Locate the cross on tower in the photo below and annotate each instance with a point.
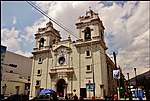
(89, 7)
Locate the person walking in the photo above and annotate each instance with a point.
(69, 97)
(66, 97)
(75, 97)
(115, 97)
(81, 98)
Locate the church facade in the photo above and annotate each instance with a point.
(72, 67)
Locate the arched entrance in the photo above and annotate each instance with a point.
(60, 87)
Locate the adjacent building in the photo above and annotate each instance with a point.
(79, 67)
(15, 80)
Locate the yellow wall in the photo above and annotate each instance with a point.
(11, 87)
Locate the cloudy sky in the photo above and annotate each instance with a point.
(127, 26)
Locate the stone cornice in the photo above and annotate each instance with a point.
(88, 43)
(40, 51)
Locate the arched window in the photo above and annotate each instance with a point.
(87, 33)
(54, 41)
(11, 71)
(41, 45)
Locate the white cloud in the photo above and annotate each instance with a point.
(14, 20)
(47, 5)
(136, 55)
(128, 24)
(26, 54)
(114, 23)
(66, 13)
(10, 38)
(31, 30)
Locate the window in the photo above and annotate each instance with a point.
(39, 72)
(17, 89)
(87, 33)
(87, 53)
(38, 82)
(11, 71)
(88, 69)
(41, 43)
(28, 78)
(61, 60)
(40, 60)
(54, 41)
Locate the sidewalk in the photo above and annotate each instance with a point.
(133, 98)
(92, 99)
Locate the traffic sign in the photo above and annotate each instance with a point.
(90, 86)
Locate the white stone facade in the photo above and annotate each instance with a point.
(71, 67)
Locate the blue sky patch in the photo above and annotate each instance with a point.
(110, 3)
(22, 11)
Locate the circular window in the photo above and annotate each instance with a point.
(61, 60)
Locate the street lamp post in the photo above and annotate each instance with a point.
(93, 71)
(136, 81)
(130, 94)
(118, 84)
(89, 87)
(128, 82)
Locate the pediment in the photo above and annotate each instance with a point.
(61, 47)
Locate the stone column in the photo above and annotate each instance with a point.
(65, 89)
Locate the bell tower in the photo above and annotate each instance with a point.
(46, 37)
(91, 50)
(90, 27)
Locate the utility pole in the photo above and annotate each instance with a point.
(118, 86)
(136, 81)
(130, 93)
(128, 82)
(114, 54)
(93, 70)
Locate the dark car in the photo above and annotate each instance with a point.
(17, 97)
(2, 97)
(46, 97)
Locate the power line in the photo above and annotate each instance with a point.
(55, 21)
(25, 77)
(52, 19)
(59, 24)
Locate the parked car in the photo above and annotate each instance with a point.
(46, 97)
(17, 97)
(2, 97)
